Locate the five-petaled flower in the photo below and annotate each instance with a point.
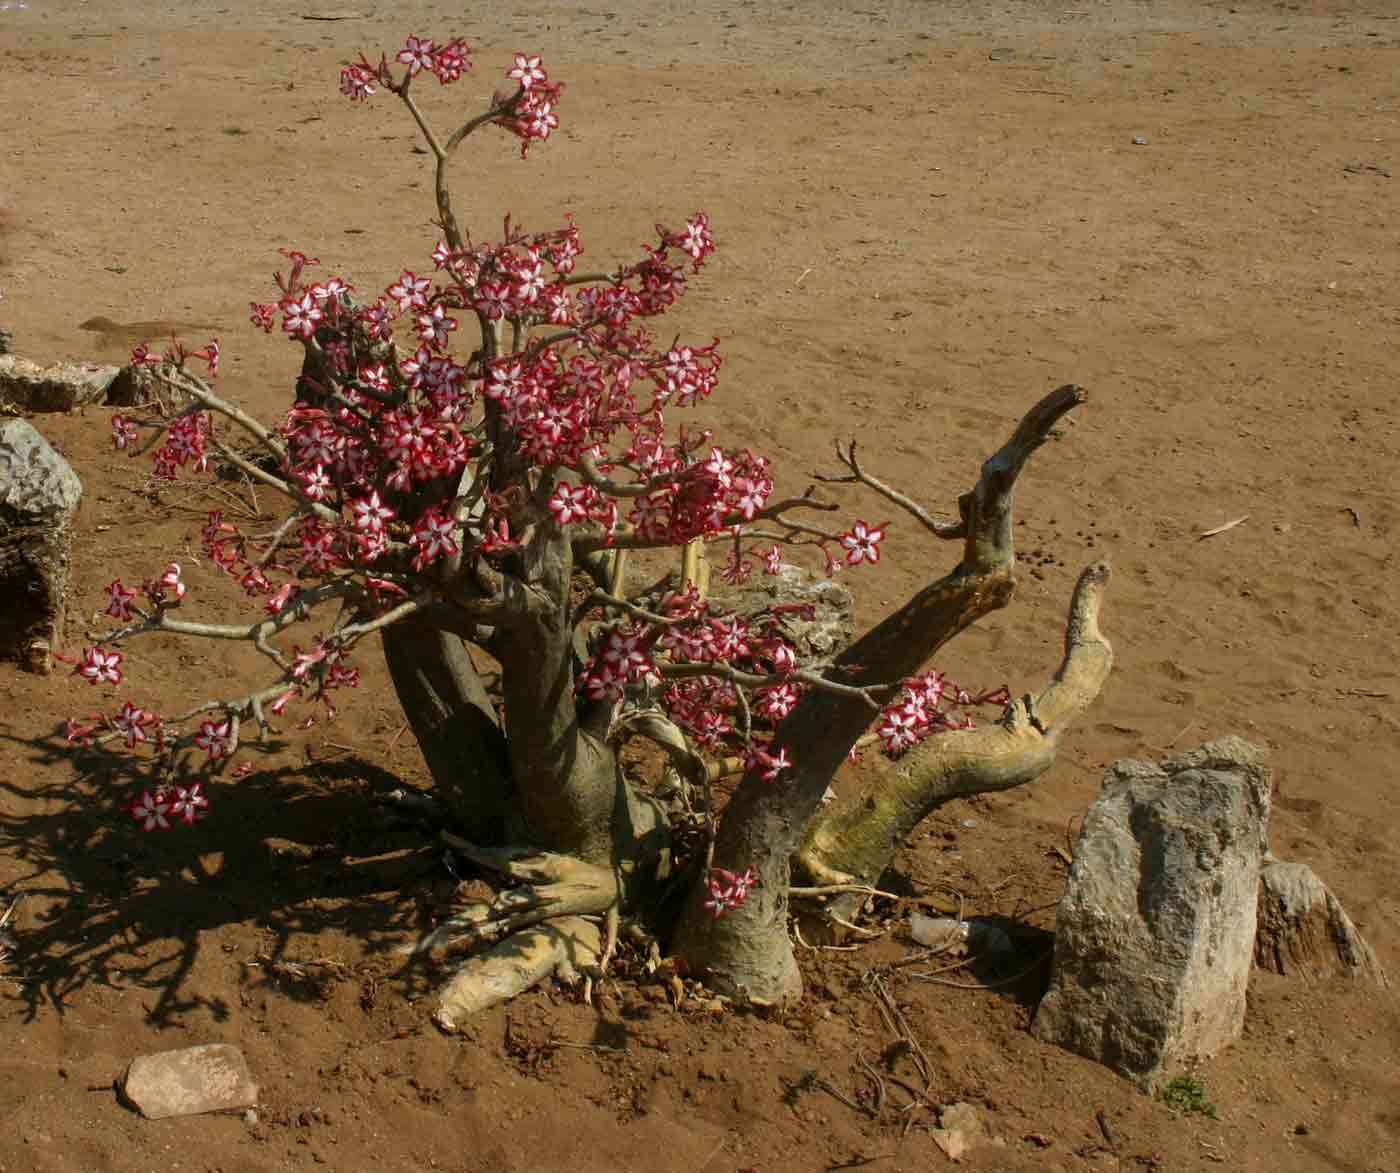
(132, 723)
(570, 503)
(526, 71)
(100, 667)
(119, 600)
(862, 543)
(188, 803)
(416, 54)
(216, 738)
(370, 513)
(150, 811)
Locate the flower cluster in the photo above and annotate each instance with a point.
(422, 455)
(161, 808)
(928, 704)
(725, 890)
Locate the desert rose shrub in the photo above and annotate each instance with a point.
(473, 458)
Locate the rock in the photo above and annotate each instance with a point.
(960, 1130)
(39, 495)
(29, 387)
(211, 1078)
(1156, 927)
(828, 631)
(6, 340)
(1304, 931)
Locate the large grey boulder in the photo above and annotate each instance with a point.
(1156, 928)
(39, 494)
(1304, 931)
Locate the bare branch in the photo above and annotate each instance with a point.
(939, 529)
(853, 839)
(198, 389)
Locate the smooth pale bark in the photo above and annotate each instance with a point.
(853, 839)
(747, 952)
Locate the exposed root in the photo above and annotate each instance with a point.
(550, 886)
(566, 948)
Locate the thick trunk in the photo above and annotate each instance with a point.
(853, 840)
(748, 950)
(455, 723)
(566, 781)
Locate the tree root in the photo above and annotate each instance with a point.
(549, 886)
(567, 948)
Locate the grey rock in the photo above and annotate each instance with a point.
(39, 494)
(28, 386)
(210, 1078)
(1304, 931)
(1157, 925)
(6, 340)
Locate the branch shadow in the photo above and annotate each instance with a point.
(294, 850)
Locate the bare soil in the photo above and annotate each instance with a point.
(929, 215)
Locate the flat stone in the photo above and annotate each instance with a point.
(30, 387)
(960, 1130)
(210, 1078)
(1155, 937)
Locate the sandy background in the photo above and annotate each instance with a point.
(929, 214)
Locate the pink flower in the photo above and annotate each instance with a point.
(526, 71)
(569, 504)
(409, 291)
(100, 667)
(167, 590)
(301, 316)
(451, 61)
(417, 55)
(434, 326)
(132, 723)
(433, 537)
(370, 513)
(215, 738)
(862, 543)
(189, 803)
(119, 600)
(356, 83)
(766, 765)
(279, 599)
(727, 890)
(123, 432)
(150, 812)
(262, 316)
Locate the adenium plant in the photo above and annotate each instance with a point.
(472, 455)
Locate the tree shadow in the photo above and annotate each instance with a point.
(294, 850)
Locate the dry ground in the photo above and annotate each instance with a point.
(929, 214)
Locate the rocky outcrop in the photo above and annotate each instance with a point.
(1156, 929)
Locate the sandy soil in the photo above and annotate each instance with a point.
(929, 215)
